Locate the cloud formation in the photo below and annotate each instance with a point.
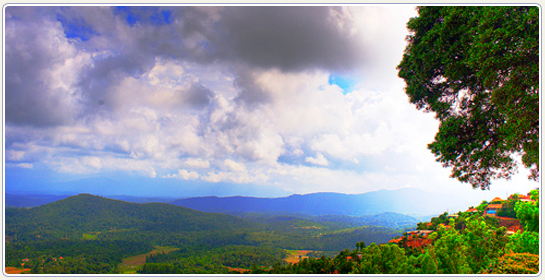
(215, 94)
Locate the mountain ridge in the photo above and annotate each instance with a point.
(86, 213)
(407, 201)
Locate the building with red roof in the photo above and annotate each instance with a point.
(492, 209)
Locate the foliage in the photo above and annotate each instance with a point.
(525, 242)
(470, 250)
(528, 213)
(87, 215)
(383, 259)
(469, 244)
(450, 252)
(72, 256)
(159, 268)
(508, 209)
(516, 263)
(477, 69)
(193, 259)
(482, 206)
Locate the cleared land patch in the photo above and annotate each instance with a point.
(294, 256)
(14, 270)
(131, 264)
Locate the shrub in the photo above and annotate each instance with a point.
(516, 263)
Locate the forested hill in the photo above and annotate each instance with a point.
(406, 201)
(84, 213)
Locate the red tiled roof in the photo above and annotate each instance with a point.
(494, 206)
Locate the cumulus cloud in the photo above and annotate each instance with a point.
(184, 174)
(237, 95)
(197, 163)
(318, 160)
(291, 38)
(40, 63)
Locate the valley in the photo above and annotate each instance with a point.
(91, 234)
(117, 236)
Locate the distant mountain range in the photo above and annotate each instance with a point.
(409, 201)
(15, 200)
(412, 202)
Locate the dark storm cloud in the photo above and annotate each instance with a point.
(127, 41)
(249, 91)
(29, 97)
(198, 95)
(96, 81)
(288, 38)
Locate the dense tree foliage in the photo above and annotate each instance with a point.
(528, 212)
(508, 208)
(85, 229)
(212, 260)
(516, 263)
(477, 247)
(477, 69)
(72, 256)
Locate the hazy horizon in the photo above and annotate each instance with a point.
(211, 100)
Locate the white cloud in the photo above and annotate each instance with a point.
(184, 174)
(93, 162)
(234, 166)
(318, 160)
(15, 155)
(25, 165)
(148, 107)
(197, 163)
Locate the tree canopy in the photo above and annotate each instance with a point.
(477, 69)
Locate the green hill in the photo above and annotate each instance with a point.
(91, 216)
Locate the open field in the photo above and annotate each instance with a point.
(241, 270)
(14, 270)
(293, 255)
(131, 264)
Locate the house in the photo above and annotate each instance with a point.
(521, 197)
(492, 209)
(419, 233)
(472, 210)
(497, 199)
(525, 198)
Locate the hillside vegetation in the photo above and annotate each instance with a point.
(465, 243)
(93, 234)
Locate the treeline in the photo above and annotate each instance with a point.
(476, 248)
(194, 260)
(72, 256)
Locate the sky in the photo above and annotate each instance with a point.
(261, 101)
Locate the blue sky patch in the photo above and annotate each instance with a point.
(76, 28)
(345, 83)
(145, 15)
